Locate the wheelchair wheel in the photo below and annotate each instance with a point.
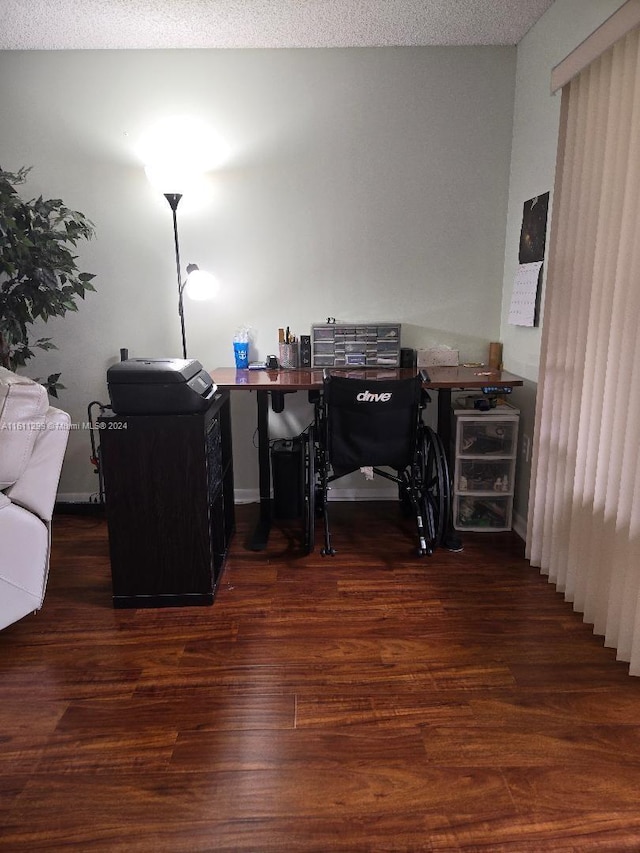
(436, 492)
(309, 491)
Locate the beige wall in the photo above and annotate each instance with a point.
(362, 183)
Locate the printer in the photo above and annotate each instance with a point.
(159, 386)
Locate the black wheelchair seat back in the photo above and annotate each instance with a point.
(371, 422)
(376, 423)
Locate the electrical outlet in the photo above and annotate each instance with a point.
(526, 448)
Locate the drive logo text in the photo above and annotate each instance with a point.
(370, 397)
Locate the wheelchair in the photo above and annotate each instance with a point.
(375, 424)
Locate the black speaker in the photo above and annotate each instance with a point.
(305, 350)
(408, 357)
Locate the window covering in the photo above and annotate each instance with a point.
(584, 507)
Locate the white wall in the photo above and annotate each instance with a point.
(533, 158)
(364, 184)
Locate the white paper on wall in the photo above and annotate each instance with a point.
(522, 311)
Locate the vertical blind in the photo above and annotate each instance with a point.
(584, 506)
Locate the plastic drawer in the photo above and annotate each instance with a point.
(487, 438)
(474, 512)
(388, 333)
(326, 334)
(484, 475)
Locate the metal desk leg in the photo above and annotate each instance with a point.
(444, 420)
(452, 539)
(261, 533)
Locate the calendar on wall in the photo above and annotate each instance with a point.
(523, 310)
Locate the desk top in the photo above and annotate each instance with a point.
(303, 379)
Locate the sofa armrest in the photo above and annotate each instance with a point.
(37, 487)
(24, 561)
(23, 407)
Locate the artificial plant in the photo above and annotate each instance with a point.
(39, 277)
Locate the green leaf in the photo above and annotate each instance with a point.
(45, 344)
(39, 276)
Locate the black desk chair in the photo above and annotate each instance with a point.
(376, 423)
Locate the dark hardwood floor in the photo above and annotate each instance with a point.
(375, 701)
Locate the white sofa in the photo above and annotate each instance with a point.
(33, 440)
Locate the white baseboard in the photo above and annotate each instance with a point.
(389, 493)
(250, 496)
(246, 496)
(76, 497)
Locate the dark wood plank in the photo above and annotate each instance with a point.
(375, 701)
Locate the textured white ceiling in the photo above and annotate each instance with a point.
(81, 24)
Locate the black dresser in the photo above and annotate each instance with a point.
(169, 499)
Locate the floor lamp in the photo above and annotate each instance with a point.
(174, 201)
(177, 152)
(202, 285)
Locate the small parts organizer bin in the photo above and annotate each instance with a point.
(485, 467)
(355, 345)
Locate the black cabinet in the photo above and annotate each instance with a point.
(169, 499)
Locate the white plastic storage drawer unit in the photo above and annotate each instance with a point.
(485, 467)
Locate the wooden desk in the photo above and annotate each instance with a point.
(277, 382)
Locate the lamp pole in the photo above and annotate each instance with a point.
(174, 201)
